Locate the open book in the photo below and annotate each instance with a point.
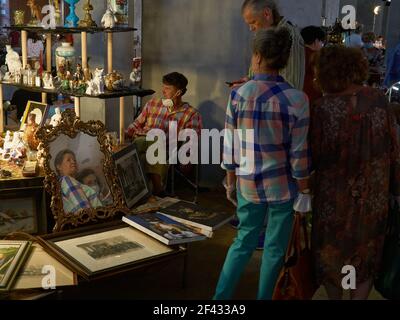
(163, 228)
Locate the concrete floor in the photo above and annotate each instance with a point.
(205, 260)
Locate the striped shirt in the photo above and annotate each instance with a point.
(77, 196)
(294, 72)
(156, 116)
(279, 116)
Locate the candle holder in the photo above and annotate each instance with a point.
(88, 21)
(72, 19)
(19, 17)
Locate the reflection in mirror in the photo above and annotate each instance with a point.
(80, 173)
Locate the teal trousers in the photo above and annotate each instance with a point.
(251, 217)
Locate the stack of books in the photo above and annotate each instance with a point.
(179, 222)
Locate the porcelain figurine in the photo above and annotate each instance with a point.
(56, 119)
(7, 145)
(48, 81)
(30, 131)
(78, 75)
(114, 81)
(109, 19)
(18, 142)
(36, 16)
(13, 60)
(96, 86)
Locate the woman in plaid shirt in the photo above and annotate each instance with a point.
(280, 162)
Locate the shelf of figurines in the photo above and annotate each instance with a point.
(19, 157)
(66, 30)
(123, 92)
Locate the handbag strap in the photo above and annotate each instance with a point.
(305, 233)
(295, 245)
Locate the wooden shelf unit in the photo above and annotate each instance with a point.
(83, 31)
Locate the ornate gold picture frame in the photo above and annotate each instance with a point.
(80, 172)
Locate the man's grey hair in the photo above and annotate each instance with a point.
(259, 6)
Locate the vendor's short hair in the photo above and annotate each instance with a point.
(312, 33)
(338, 67)
(177, 80)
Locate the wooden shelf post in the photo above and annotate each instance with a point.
(109, 52)
(121, 120)
(24, 47)
(48, 62)
(48, 52)
(84, 50)
(77, 104)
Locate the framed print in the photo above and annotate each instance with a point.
(51, 112)
(22, 211)
(12, 256)
(37, 108)
(131, 175)
(99, 251)
(80, 175)
(33, 271)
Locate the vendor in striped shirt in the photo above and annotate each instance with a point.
(160, 114)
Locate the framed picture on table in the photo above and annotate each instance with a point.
(37, 108)
(103, 250)
(12, 257)
(131, 175)
(22, 211)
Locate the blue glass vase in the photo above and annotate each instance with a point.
(72, 20)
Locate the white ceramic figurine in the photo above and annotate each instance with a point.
(109, 19)
(13, 61)
(96, 86)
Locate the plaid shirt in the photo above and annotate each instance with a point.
(279, 116)
(156, 116)
(77, 196)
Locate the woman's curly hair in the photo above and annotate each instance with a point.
(339, 67)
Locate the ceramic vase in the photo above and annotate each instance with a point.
(72, 20)
(65, 56)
